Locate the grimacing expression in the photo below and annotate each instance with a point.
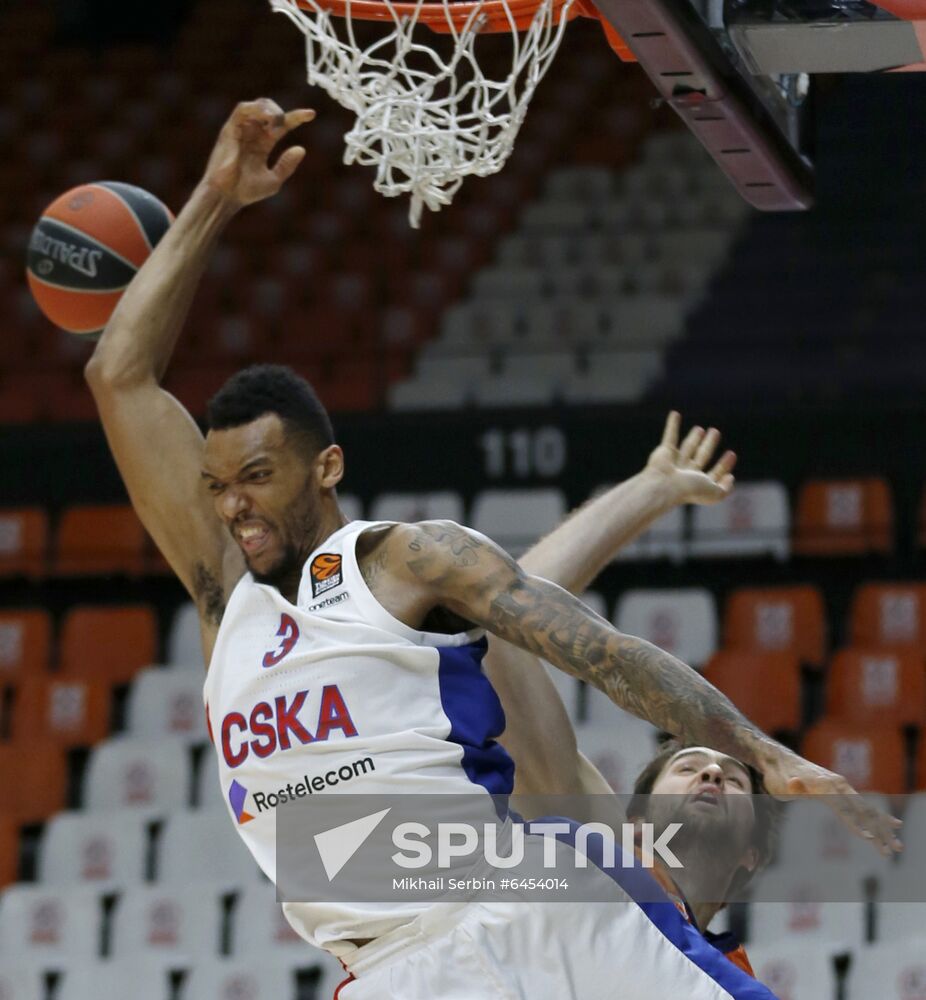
(264, 491)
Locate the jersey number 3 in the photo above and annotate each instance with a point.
(289, 636)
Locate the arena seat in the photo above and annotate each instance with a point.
(111, 643)
(754, 521)
(844, 517)
(765, 686)
(889, 971)
(467, 369)
(142, 978)
(794, 971)
(229, 979)
(888, 615)
(184, 645)
(417, 394)
(167, 920)
(203, 847)
(900, 913)
(72, 711)
(503, 391)
(832, 928)
(410, 507)
(104, 848)
(166, 703)
(664, 539)
(515, 519)
(877, 685)
(777, 619)
(22, 980)
(99, 540)
(25, 644)
(683, 622)
(23, 540)
(33, 780)
(619, 744)
(871, 758)
(50, 924)
(128, 773)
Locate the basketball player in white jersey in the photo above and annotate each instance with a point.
(333, 644)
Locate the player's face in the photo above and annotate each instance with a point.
(264, 492)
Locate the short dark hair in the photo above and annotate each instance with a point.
(767, 810)
(261, 389)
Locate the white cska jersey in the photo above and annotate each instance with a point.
(335, 694)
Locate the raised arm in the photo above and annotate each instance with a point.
(156, 444)
(444, 564)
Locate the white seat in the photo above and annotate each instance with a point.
(138, 978)
(754, 521)
(167, 920)
(21, 980)
(839, 926)
(901, 908)
(663, 540)
(138, 773)
(43, 923)
(539, 365)
(643, 320)
(889, 971)
(613, 376)
(232, 979)
(405, 507)
(427, 394)
(184, 645)
(105, 848)
(503, 282)
(503, 391)
(515, 519)
(166, 703)
(209, 794)
(556, 217)
(682, 622)
(619, 744)
(203, 847)
(794, 971)
(467, 368)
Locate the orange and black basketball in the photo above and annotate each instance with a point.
(86, 248)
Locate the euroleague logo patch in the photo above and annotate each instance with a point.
(325, 572)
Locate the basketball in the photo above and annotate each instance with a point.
(86, 248)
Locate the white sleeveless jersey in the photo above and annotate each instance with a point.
(335, 693)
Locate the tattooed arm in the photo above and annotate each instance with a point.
(445, 565)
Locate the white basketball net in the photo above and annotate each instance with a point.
(426, 129)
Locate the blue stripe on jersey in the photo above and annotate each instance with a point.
(646, 892)
(476, 716)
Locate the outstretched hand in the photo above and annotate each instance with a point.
(685, 466)
(794, 777)
(238, 167)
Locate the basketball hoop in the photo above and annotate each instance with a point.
(427, 119)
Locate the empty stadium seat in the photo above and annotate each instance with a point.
(21, 980)
(25, 643)
(184, 643)
(683, 622)
(203, 847)
(832, 927)
(619, 744)
(140, 978)
(503, 391)
(753, 521)
(417, 507)
(111, 643)
(127, 773)
(871, 758)
(888, 614)
(777, 619)
(877, 685)
(515, 519)
(420, 394)
(844, 517)
(50, 923)
(68, 711)
(105, 848)
(23, 542)
(33, 780)
(765, 686)
(900, 913)
(99, 540)
(794, 971)
(166, 703)
(167, 919)
(663, 540)
(230, 979)
(889, 971)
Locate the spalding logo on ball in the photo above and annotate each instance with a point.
(87, 247)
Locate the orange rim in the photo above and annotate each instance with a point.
(499, 14)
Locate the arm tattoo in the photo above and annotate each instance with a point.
(373, 567)
(455, 541)
(209, 595)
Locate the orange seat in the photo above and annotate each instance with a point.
(33, 780)
(109, 643)
(25, 643)
(23, 541)
(871, 758)
(888, 614)
(877, 685)
(765, 686)
(844, 517)
(68, 712)
(777, 619)
(9, 850)
(97, 540)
